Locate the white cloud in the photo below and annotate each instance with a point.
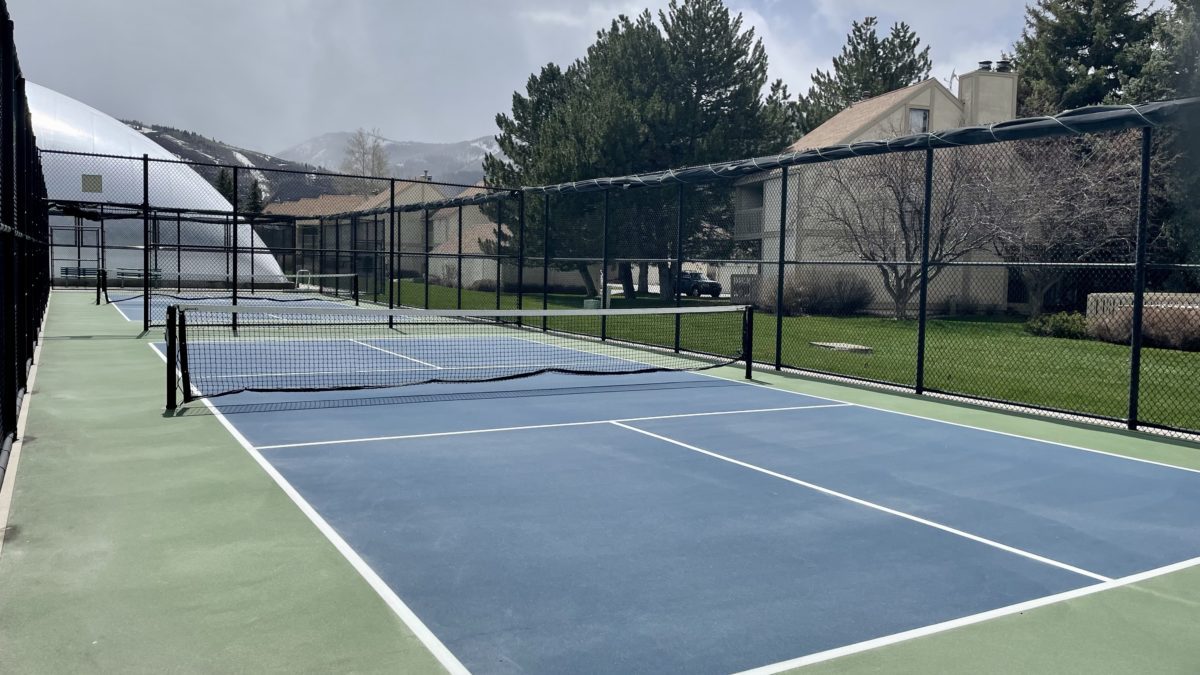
(270, 73)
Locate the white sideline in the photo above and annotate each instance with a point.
(958, 424)
(872, 505)
(933, 629)
(542, 426)
(117, 306)
(410, 619)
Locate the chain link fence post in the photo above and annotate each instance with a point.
(604, 268)
(391, 268)
(545, 255)
(520, 250)
(678, 273)
(923, 291)
(779, 270)
(1139, 280)
(425, 249)
(146, 242)
(236, 250)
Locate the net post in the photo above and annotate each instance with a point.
(923, 297)
(100, 274)
(185, 377)
(172, 364)
(780, 269)
(234, 317)
(1139, 280)
(545, 256)
(355, 289)
(604, 269)
(748, 340)
(145, 242)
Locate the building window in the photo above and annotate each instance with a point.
(93, 183)
(918, 120)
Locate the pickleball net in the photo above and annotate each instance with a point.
(218, 350)
(128, 285)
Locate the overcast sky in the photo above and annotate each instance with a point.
(267, 74)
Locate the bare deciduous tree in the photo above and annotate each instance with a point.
(1060, 202)
(365, 155)
(875, 208)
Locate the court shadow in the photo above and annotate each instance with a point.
(326, 404)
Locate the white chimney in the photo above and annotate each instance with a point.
(988, 95)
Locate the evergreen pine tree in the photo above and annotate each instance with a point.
(225, 185)
(1076, 53)
(254, 201)
(648, 96)
(867, 67)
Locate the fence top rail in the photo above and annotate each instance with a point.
(1092, 119)
(495, 194)
(271, 169)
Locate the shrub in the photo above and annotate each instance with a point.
(763, 294)
(1070, 325)
(837, 294)
(1163, 326)
(531, 287)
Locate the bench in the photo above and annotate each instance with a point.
(79, 272)
(134, 273)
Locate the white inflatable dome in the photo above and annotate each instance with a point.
(62, 123)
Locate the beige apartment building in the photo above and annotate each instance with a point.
(985, 96)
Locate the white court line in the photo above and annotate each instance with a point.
(393, 601)
(117, 306)
(872, 505)
(542, 426)
(933, 629)
(387, 351)
(958, 424)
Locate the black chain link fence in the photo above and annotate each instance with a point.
(24, 242)
(1048, 265)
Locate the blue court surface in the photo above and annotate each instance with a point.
(681, 522)
(132, 307)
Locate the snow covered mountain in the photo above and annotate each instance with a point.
(460, 162)
(193, 147)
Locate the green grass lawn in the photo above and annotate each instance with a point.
(991, 357)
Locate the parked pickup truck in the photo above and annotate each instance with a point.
(696, 284)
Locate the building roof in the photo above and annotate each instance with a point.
(409, 191)
(472, 236)
(844, 126)
(325, 205)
